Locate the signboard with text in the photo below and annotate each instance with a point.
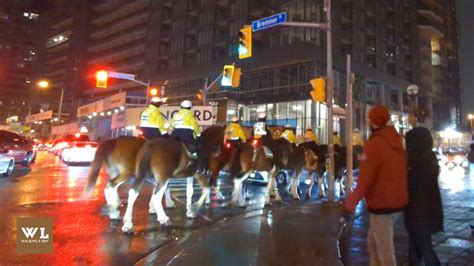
(271, 21)
(39, 116)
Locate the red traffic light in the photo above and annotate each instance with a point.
(101, 77)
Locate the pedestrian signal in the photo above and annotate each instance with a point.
(319, 89)
(245, 43)
(227, 75)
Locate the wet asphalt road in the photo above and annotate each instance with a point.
(81, 235)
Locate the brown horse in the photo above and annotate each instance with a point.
(169, 158)
(119, 157)
(254, 158)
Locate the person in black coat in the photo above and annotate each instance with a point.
(424, 213)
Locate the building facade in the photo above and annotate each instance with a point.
(181, 45)
(61, 58)
(18, 25)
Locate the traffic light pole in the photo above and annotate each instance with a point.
(349, 116)
(206, 88)
(330, 80)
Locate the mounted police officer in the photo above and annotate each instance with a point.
(185, 126)
(234, 132)
(152, 122)
(260, 130)
(288, 134)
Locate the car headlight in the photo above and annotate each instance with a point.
(458, 159)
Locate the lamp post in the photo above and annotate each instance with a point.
(412, 91)
(44, 84)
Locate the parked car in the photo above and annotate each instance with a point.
(79, 152)
(7, 163)
(19, 147)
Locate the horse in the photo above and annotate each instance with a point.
(169, 158)
(321, 152)
(119, 156)
(253, 157)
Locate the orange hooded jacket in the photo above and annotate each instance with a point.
(383, 174)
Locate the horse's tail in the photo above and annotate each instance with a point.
(142, 166)
(103, 151)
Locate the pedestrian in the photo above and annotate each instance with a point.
(424, 213)
(383, 184)
(470, 155)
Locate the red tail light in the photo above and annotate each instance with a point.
(255, 142)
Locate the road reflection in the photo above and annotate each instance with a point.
(457, 179)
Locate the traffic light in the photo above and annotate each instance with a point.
(245, 43)
(154, 91)
(236, 77)
(319, 89)
(227, 75)
(101, 78)
(200, 95)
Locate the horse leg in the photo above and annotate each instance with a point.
(294, 185)
(127, 217)
(237, 193)
(168, 200)
(189, 193)
(112, 196)
(193, 210)
(160, 212)
(270, 187)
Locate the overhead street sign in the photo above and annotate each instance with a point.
(119, 75)
(270, 21)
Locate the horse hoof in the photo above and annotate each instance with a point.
(114, 215)
(164, 220)
(127, 228)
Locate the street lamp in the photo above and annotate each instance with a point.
(412, 91)
(44, 84)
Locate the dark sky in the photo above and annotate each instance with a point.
(465, 15)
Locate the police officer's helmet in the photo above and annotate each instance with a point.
(186, 104)
(234, 119)
(287, 127)
(156, 101)
(262, 116)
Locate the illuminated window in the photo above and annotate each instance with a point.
(435, 45)
(435, 59)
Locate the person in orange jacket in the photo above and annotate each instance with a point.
(383, 184)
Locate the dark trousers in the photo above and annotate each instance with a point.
(421, 248)
(151, 133)
(186, 136)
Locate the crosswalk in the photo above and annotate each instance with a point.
(177, 186)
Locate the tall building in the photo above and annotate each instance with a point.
(438, 64)
(18, 25)
(62, 56)
(183, 44)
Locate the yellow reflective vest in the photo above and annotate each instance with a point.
(357, 139)
(289, 135)
(185, 119)
(310, 136)
(336, 140)
(152, 117)
(234, 132)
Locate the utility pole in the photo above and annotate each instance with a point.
(349, 145)
(204, 92)
(330, 99)
(60, 106)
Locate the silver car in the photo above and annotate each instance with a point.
(7, 163)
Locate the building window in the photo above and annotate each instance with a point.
(435, 47)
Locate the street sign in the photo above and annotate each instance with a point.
(119, 75)
(268, 22)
